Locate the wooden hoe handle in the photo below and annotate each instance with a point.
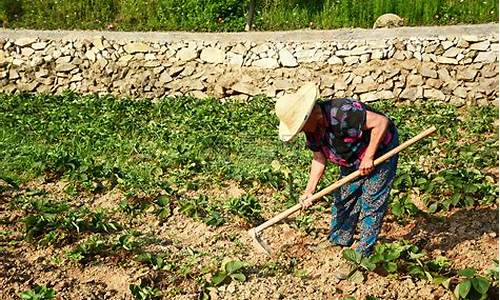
(344, 180)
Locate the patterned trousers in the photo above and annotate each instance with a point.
(363, 201)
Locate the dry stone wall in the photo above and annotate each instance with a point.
(457, 64)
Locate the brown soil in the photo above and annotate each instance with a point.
(301, 267)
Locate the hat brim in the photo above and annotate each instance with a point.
(287, 134)
(305, 97)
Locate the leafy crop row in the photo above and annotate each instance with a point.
(405, 258)
(49, 221)
(183, 144)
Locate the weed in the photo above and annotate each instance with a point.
(56, 261)
(302, 273)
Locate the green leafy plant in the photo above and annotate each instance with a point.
(52, 237)
(305, 223)
(144, 292)
(89, 248)
(406, 257)
(51, 222)
(403, 207)
(164, 210)
(230, 270)
(133, 207)
(127, 241)
(109, 130)
(360, 263)
(157, 262)
(39, 292)
(100, 223)
(194, 207)
(386, 255)
(471, 286)
(493, 271)
(246, 206)
(358, 259)
(214, 216)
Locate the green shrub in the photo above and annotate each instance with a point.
(295, 14)
(10, 10)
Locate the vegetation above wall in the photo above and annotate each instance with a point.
(229, 15)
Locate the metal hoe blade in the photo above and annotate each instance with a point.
(259, 242)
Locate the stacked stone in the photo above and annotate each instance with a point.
(460, 70)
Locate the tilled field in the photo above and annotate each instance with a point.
(301, 267)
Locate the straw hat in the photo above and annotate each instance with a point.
(293, 110)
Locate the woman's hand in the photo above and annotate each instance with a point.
(304, 200)
(366, 166)
(378, 125)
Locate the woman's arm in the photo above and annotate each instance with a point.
(317, 170)
(378, 125)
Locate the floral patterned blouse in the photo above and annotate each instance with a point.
(344, 141)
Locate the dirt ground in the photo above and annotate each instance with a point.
(301, 267)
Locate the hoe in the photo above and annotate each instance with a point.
(256, 232)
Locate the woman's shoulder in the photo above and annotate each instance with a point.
(337, 101)
(342, 104)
